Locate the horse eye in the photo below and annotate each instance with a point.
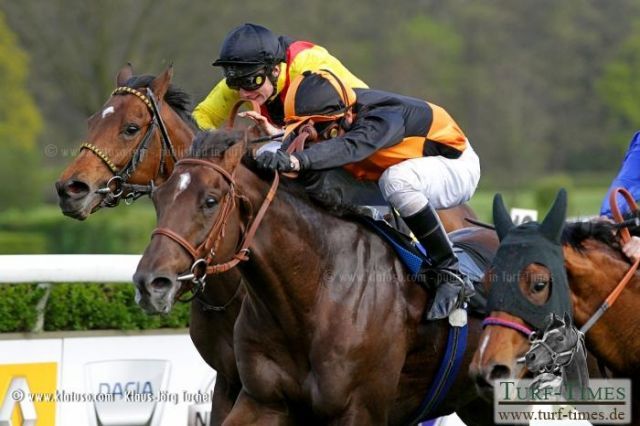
(210, 202)
(131, 130)
(538, 286)
(560, 338)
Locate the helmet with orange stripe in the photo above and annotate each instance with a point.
(317, 100)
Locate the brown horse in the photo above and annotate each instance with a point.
(116, 134)
(330, 331)
(594, 265)
(121, 138)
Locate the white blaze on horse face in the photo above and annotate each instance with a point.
(483, 345)
(185, 180)
(108, 111)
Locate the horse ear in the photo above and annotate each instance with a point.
(124, 75)
(553, 222)
(501, 218)
(567, 319)
(160, 84)
(551, 320)
(232, 156)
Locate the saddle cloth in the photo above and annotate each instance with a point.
(473, 258)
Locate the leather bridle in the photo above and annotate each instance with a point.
(203, 255)
(119, 183)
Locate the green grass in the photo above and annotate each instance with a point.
(583, 202)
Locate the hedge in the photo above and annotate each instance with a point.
(82, 307)
(123, 230)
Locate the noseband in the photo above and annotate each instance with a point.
(120, 179)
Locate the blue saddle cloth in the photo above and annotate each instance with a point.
(473, 259)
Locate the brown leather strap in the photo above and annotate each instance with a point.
(242, 253)
(216, 232)
(624, 235)
(236, 107)
(178, 239)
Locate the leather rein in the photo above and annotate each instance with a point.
(615, 293)
(204, 254)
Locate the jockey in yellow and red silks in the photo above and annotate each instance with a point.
(414, 149)
(259, 66)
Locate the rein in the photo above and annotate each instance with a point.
(121, 178)
(625, 236)
(205, 253)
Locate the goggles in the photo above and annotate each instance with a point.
(249, 82)
(318, 131)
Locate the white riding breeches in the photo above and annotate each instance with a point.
(412, 184)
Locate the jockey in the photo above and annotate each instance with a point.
(259, 66)
(416, 152)
(628, 177)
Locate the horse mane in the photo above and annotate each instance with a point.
(175, 97)
(576, 233)
(213, 143)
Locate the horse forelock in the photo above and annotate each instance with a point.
(176, 98)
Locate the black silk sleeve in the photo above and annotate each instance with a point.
(373, 130)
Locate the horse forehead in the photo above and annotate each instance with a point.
(185, 179)
(108, 111)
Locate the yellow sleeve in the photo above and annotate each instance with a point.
(317, 58)
(215, 108)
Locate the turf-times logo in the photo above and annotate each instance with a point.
(598, 402)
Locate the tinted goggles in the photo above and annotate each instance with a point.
(318, 131)
(247, 82)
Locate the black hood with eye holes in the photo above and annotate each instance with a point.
(521, 246)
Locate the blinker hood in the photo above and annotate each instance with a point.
(521, 246)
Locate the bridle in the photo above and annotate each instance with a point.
(119, 183)
(520, 328)
(204, 254)
(559, 359)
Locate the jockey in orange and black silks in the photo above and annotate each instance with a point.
(414, 149)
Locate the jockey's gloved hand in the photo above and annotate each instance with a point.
(278, 161)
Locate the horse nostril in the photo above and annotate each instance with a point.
(530, 357)
(499, 372)
(72, 188)
(160, 284)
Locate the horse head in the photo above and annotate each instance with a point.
(555, 346)
(198, 210)
(129, 142)
(528, 282)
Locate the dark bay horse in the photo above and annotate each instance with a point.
(123, 141)
(594, 263)
(115, 136)
(330, 331)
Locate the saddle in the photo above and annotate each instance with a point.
(474, 259)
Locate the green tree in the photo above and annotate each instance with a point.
(20, 125)
(619, 87)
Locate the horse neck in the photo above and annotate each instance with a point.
(592, 276)
(576, 372)
(294, 252)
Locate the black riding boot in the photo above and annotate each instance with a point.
(444, 272)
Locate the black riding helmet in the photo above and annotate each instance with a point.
(250, 48)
